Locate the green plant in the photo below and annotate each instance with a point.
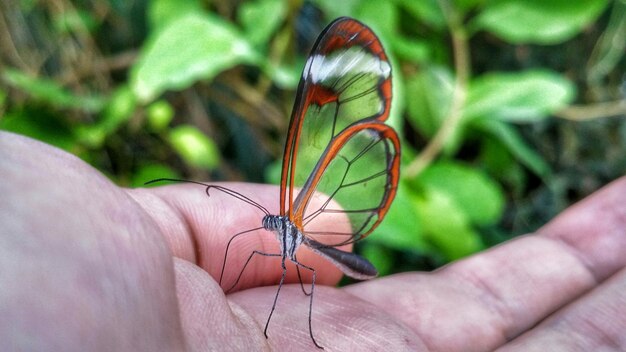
(183, 89)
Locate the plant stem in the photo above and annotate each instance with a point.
(592, 111)
(460, 49)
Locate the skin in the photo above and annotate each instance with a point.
(87, 265)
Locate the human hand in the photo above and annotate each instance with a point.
(85, 265)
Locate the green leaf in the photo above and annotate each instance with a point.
(3, 99)
(472, 191)
(119, 108)
(428, 98)
(77, 21)
(163, 12)
(152, 172)
(538, 21)
(261, 18)
(190, 48)
(381, 16)
(401, 229)
(160, 114)
(500, 162)
(40, 125)
(273, 172)
(334, 8)
(446, 226)
(509, 136)
(466, 5)
(194, 147)
(284, 75)
(50, 92)
(410, 50)
(520, 97)
(118, 111)
(608, 52)
(427, 11)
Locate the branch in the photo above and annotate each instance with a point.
(460, 49)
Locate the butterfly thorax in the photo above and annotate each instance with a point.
(288, 235)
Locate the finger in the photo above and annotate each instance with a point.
(340, 321)
(199, 227)
(81, 266)
(595, 322)
(209, 321)
(492, 297)
(594, 231)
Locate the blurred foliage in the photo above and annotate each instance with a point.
(509, 110)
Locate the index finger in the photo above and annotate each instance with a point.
(198, 228)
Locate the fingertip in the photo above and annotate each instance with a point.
(595, 228)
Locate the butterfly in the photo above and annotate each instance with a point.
(341, 161)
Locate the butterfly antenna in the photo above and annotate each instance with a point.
(228, 191)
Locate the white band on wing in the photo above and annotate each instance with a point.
(341, 63)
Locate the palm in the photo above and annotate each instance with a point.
(88, 264)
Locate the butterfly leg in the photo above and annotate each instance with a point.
(280, 285)
(298, 264)
(248, 261)
(226, 252)
(300, 278)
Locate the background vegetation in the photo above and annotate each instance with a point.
(509, 110)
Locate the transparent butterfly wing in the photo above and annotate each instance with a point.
(354, 181)
(346, 83)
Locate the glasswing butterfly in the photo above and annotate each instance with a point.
(341, 161)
